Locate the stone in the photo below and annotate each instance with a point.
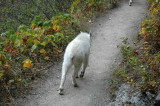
(130, 96)
(157, 100)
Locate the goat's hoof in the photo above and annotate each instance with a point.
(61, 91)
(130, 3)
(81, 75)
(75, 85)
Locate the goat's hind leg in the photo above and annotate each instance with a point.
(130, 2)
(85, 63)
(65, 69)
(75, 74)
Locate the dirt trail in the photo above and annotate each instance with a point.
(123, 21)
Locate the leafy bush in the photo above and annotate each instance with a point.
(150, 34)
(141, 65)
(25, 50)
(17, 12)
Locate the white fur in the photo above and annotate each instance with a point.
(130, 2)
(77, 53)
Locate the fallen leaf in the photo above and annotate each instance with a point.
(43, 43)
(27, 64)
(43, 51)
(47, 58)
(19, 79)
(1, 75)
(6, 67)
(36, 41)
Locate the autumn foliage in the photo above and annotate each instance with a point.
(150, 34)
(23, 52)
(141, 65)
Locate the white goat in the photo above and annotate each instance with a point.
(77, 52)
(130, 2)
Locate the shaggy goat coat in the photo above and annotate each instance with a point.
(77, 53)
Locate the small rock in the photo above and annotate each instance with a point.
(13, 87)
(111, 104)
(157, 101)
(150, 96)
(129, 96)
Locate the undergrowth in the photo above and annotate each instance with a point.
(23, 52)
(141, 65)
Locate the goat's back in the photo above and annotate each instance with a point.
(79, 47)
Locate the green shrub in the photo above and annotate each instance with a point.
(24, 49)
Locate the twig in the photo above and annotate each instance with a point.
(11, 98)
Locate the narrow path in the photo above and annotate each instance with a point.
(123, 21)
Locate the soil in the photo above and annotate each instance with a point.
(93, 90)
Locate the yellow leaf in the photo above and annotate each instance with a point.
(19, 79)
(32, 26)
(143, 31)
(36, 41)
(6, 66)
(104, 6)
(43, 43)
(27, 64)
(1, 74)
(2, 56)
(50, 41)
(51, 35)
(56, 28)
(43, 51)
(39, 37)
(75, 2)
(55, 21)
(47, 58)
